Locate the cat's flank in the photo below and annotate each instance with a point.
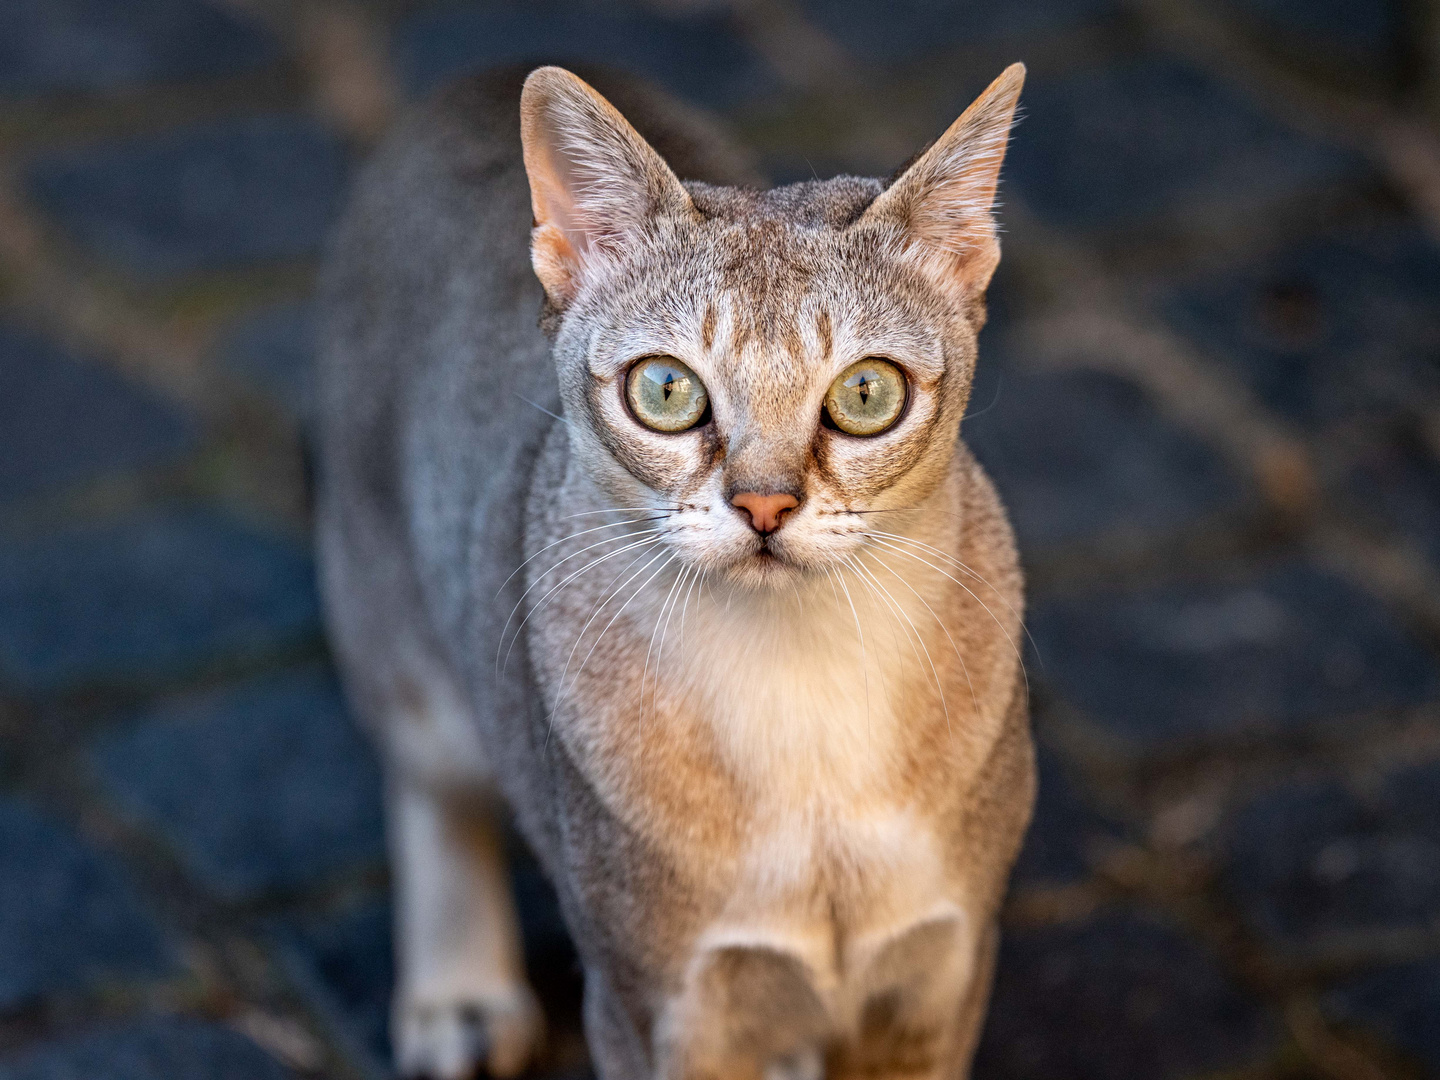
(643, 506)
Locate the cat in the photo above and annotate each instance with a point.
(662, 532)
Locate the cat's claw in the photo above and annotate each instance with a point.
(463, 1037)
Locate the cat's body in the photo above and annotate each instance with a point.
(777, 766)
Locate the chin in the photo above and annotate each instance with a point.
(764, 568)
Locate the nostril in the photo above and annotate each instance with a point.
(767, 512)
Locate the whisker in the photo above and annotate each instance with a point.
(890, 599)
(999, 381)
(623, 510)
(612, 589)
(539, 580)
(609, 593)
(894, 625)
(864, 659)
(563, 539)
(903, 510)
(833, 590)
(540, 604)
(975, 700)
(945, 630)
(978, 577)
(660, 653)
(644, 671)
(542, 408)
(559, 563)
(560, 698)
(688, 575)
(700, 579)
(859, 560)
(939, 570)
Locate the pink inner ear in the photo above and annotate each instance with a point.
(944, 201)
(555, 261)
(555, 185)
(592, 177)
(554, 251)
(950, 229)
(564, 233)
(970, 274)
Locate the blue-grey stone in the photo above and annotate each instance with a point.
(1064, 828)
(1411, 798)
(1120, 144)
(1358, 31)
(69, 917)
(261, 787)
(1123, 995)
(344, 965)
(1170, 666)
(1084, 456)
(907, 30)
(227, 193)
(274, 350)
(59, 46)
(1313, 860)
(148, 597)
(699, 56)
(1396, 482)
(1339, 325)
(166, 1049)
(1400, 1003)
(66, 421)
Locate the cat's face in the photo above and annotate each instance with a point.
(745, 332)
(762, 370)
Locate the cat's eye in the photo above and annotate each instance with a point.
(665, 395)
(867, 397)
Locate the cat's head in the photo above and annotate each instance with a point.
(761, 367)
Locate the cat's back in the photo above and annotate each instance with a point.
(427, 344)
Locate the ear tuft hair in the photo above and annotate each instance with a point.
(943, 204)
(593, 180)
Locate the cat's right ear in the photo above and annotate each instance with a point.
(942, 207)
(594, 181)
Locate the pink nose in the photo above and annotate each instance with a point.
(766, 511)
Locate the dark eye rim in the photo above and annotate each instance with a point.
(624, 386)
(827, 421)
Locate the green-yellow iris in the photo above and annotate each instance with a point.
(867, 397)
(665, 395)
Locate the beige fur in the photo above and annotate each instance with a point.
(779, 779)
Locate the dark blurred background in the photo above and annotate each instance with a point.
(1210, 393)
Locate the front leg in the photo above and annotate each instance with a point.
(462, 1001)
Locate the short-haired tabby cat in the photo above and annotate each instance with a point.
(696, 574)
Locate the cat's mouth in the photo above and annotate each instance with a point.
(766, 562)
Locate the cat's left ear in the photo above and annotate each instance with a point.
(594, 181)
(943, 204)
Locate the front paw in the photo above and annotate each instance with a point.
(455, 1036)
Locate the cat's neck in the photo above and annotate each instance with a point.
(807, 685)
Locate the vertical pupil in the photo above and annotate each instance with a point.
(864, 389)
(668, 383)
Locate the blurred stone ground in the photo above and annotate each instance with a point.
(1210, 393)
